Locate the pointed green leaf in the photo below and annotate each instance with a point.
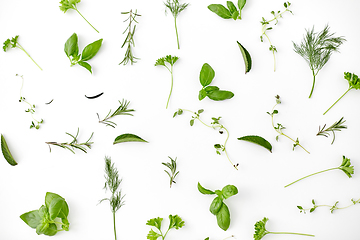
(128, 137)
(257, 140)
(71, 47)
(207, 74)
(246, 56)
(31, 218)
(220, 10)
(231, 7)
(216, 205)
(209, 89)
(6, 152)
(91, 50)
(229, 190)
(156, 222)
(235, 15)
(220, 95)
(55, 207)
(204, 190)
(241, 4)
(202, 94)
(223, 217)
(85, 65)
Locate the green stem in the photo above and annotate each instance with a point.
(177, 36)
(114, 225)
(171, 88)
(20, 47)
(273, 51)
(303, 234)
(312, 175)
(86, 20)
(225, 147)
(337, 100)
(312, 89)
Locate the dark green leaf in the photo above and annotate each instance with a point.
(204, 190)
(300, 207)
(231, 7)
(6, 152)
(191, 122)
(31, 218)
(202, 94)
(91, 50)
(85, 65)
(211, 88)
(71, 47)
(246, 57)
(216, 205)
(223, 217)
(257, 140)
(241, 4)
(220, 95)
(207, 74)
(312, 209)
(220, 10)
(229, 190)
(128, 137)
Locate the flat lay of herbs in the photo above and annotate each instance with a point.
(146, 142)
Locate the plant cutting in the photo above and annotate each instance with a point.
(337, 126)
(175, 223)
(331, 207)
(121, 110)
(230, 12)
(172, 167)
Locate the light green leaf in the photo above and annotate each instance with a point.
(257, 140)
(204, 190)
(91, 50)
(31, 218)
(229, 190)
(55, 207)
(152, 235)
(6, 152)
(202, 94)
(128, 137)
(85, 65)
(71, 47)
(246, 56)
(241, 4)
(220, 10)
(207, 74)
(175, 222)
(235, 15)
(231, 7)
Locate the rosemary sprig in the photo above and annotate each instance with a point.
(74, 144)
(129, 40)
(172, 166)
(113, 183)
(121, 110)
(332, 207)
(316, 49)
(175, 8)
(337, 126)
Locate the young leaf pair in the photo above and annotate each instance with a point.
(53, 213)
(230, 12)
(218, 207)
(207, 74)
(175, 222)
(71, 49)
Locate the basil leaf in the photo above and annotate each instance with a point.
(223, 217)
(91, 50)
(55, 207)
(257, 140)
(207, 74)
(220, 10)
(85, 65)
(43, 212)
(202, 94)
(204, 190)
(229, 190)
(51, 230)
(241, 4)
(6, 152)
(211, 88)
(31, 218)
(71, 47)
(128, 137)
(231, 7)
(220, 95)
(49, 197)
(235, 15)
(246, 57)
(216, 205)
(41, 228)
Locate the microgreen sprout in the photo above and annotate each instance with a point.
(345, 167)
(121, 110)
(331, 207)
(337, 126)
(172, 167)
(279, 127)
(277, 15)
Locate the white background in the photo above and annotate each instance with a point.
(204, 38)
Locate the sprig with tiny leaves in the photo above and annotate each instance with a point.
(279, 127)
(172, 167)
(337, 126)
(175, 223)
(265, 27)
(216, 125)
(74, 144)
(121, 110)
(331, 207)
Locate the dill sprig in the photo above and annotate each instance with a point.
(112, 184)
(172, 166)
(121, 110)
(175, 8)
(316, 49)
(337, 126)
(74, 144)
(129, 40)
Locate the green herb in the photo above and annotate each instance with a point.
(121, 110)
(35, 123)
(277, 15)
(279, 127)
(71, 49)
(354, 83)
(128, 137)
(337, 126)
(218, 207)
(230, 12)
(175, 222)
(6, 152)
(51, 215)
(74, 144)
(345, 167)
(215, 124)
(246, 57)
(112, 184)
(316, 49)
(172, 167)
(162, 62)
(332, 207)
(257, 140)
(129, 40)
(175, 8)
(232, 236)
(260, 230)
(13, 43)
(207, 74)
(71, 4)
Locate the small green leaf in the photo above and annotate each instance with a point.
(209, 89)
(85, 65)
(128, 137)
(300, 207)
(257, 140)
(216, 205)
(235, 15)
(175, 222)
(207, 74)
(202, 94)
(191, 122)
(152, 235)
(220, 10)
(223, 217)
(55, 207)
(231, 7)
(156, 222)
(229, 190)
(204, 190)
(246, 57)
(31, 218)
(241, 4)
(91, 50)
(6, 152)
(220, 95)
(71, 47)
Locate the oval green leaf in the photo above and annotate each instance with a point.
(91, 50)
(257, 140)
(31, 218)
(55, 207)
(229, 190)
(71, 47)
(223, 217)
(204, 190)
(128, 137)
(241, 4)
(211, 88)
(6, 152)
(220, 10)
(207, 74)
(246, 56)
(220, 95)
(202, 94)
(85, 65)
(231, 7)
(216, 205)
(235, 15)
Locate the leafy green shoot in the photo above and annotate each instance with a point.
(13, 43)
(162, 62)
(345, 167)
(74, 144)
(354, 83)
(175, 8)
(71, 4)
(331, 207)
(129, 40)
(216, 125)
(121, 110)
(175, 223)
(265, 27)
(279, 127)
(172, 167)
(112, 184)
(337, 126)
(316, 49)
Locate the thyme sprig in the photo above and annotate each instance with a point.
(129, 40)
(172, 166)
(121, 110)
(332, 208)
(337, 126)
(74, 144)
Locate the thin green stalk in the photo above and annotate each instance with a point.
(114, 225)
(172, 83)
(338, 100)
(86, 20)
(20, 47)
(312, 175)
(303, 234)
(177, 36)
(312, 89)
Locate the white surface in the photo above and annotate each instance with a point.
(204, 37)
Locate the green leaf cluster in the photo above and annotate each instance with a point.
(175, 8)
(49, 216)
(121, 110)
(337, 126)
(231, 11)
(172, 167)
(175, 223)
(71, 49)
(207, 74)
(6, 152)
(218, 207)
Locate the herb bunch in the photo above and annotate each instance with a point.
(331, 207)
(172, 167)
(316, 49)
(337, 126)
(230, 12)
(121, 110)
(175, 223)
